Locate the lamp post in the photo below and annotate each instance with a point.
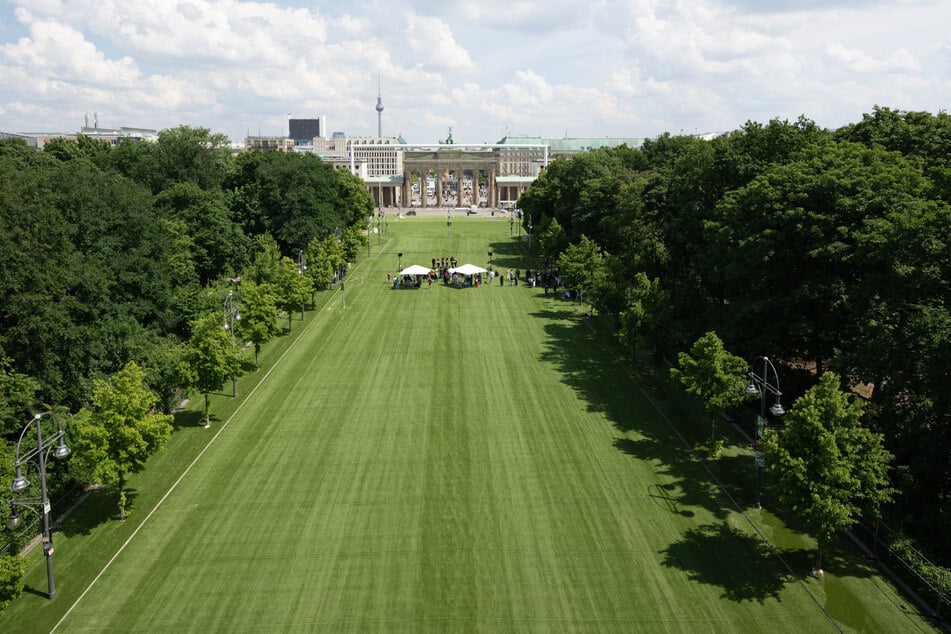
(490, 260)
(529, 235)
(368, 235)
(40, 452)
(448, 223)
(762, 384)
(232, 314)
(301, 267)
(399, 261)
(518, 216)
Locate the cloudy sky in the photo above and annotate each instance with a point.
(488, 68)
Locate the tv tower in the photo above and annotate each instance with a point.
(379, 107)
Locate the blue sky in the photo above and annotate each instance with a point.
(629, 68)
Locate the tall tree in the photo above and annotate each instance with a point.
(581, 264)
(713, 375)
(828, 467)
(120, 432)
(291, 288)
(258, 322)
(210, 358)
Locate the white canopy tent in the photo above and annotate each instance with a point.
(415, 270)
(468, 269)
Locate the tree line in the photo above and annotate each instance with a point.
(827, 250)
(116, 267)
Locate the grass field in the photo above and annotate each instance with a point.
(447, 460)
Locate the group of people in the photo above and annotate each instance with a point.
(548, 278)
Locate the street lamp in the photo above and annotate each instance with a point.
(41, 453)
(449, 223)
(232, 314)
(490, 260)
(301, 267)
(399, 261)
(762, 384)
(529, 235)
(368, 235)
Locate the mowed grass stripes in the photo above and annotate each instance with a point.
(450, 460)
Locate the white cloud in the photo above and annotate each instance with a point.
(432, 41)
(900, 61)
(625, 68)
(56, 50)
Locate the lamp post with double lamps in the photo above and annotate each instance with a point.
(763, 383)
(56, 445)
(232, 314)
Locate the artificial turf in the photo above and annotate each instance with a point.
(447, 460)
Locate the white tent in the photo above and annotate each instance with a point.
(415, 270)
(468, 269)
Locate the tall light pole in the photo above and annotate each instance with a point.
(232, 314)
(40, 453)
(449, 223)
(763, 383)
(301, 268)
(529, 235)
(368, 235)
(399, 262)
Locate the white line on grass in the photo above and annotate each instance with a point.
(187, 469)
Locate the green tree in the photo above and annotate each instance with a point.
(210, 358)
(353, 239)
(12, 569)
(258, 316)
(323, 258)
(218, 246)
(552, 238)
(645, 319)
(713, 375)
(17, 397)
(291, 288)
(581, 264)
(828, 467)
(120, 432)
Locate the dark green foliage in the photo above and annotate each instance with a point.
(829, 248)
(12, 569)
(828, 467)
(295, 197)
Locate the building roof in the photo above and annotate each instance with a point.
(580, 144)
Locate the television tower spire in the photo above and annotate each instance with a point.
(379, 106)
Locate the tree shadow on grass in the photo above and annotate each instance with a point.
(189, 418)
(98, 507)
(661, 426)
(688, 485)
(738, 563)
(509, 253)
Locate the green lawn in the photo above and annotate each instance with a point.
(446, 460)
